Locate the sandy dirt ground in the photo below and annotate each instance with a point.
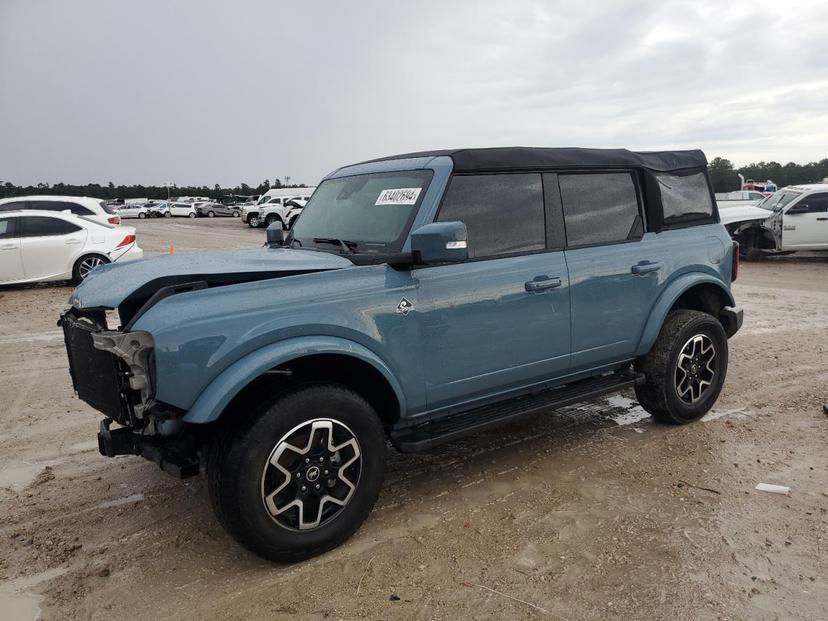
(591, 512)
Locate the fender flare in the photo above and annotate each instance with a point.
(214, 398)
(666, 300)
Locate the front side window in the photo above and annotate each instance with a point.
(43, 226)
(503, 214)
(371, 212)
(7, 228)
(600, 208)
(684, 197)
(815, 203)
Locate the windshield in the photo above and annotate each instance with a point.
(373, 210)
(778, 200)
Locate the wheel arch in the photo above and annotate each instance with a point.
(304, 359)
(690, 291)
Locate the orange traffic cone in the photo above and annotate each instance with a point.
(172, 248)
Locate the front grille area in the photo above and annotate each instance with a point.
(96, 376)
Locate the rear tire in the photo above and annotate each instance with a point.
(167, 214)
(686, 368)
(84, 265)
(261, 472)
(192, 214)
(141, 216)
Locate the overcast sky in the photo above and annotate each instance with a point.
(201, 92)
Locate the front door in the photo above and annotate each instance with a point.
(805, 223)
(11, 266)
(48, 245)
(499, 321)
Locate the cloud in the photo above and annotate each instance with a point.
(203, 92)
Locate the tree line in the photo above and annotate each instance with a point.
(725, 176)
(113, 192)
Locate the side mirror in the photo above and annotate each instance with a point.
(440, 242)
(275, 235)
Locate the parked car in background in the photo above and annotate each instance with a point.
(38, 245)
(183, 209)
(739, 198)
(272, 202)
(133, 210)
(159, 209)
(792, 219)
(404, 306)
(211, 210)
(79, 205)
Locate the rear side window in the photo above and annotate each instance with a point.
(600, 208)
(8, 228)
(42, 226)
(502, 213)
(61, 206)
(685, 197)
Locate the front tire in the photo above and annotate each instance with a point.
(211, 214)
(253, 222)
(686, 368)
(300, 478)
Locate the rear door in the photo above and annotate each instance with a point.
(48, 246)
(500, 320)
(615, 274)
(11, 265)
(805, 223)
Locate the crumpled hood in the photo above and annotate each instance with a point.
(111, 285)
(742, 213)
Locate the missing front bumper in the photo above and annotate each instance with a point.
(174, 456)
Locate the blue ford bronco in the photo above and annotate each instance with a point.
(418, 298)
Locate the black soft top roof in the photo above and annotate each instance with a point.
(533, 158)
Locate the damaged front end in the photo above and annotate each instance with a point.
(113, 372)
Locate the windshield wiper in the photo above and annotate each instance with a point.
(346, 244)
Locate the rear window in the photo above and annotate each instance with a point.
(600, 208)
(107, 207)
(684, 197)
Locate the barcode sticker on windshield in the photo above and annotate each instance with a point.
(398, 196)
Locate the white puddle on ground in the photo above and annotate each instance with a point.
(18, 602)
(629, 410)
(19, 476)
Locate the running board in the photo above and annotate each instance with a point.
(429, 434)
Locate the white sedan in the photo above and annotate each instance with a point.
(46, 245)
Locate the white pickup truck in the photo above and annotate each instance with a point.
(793, 218)
(277, 205)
